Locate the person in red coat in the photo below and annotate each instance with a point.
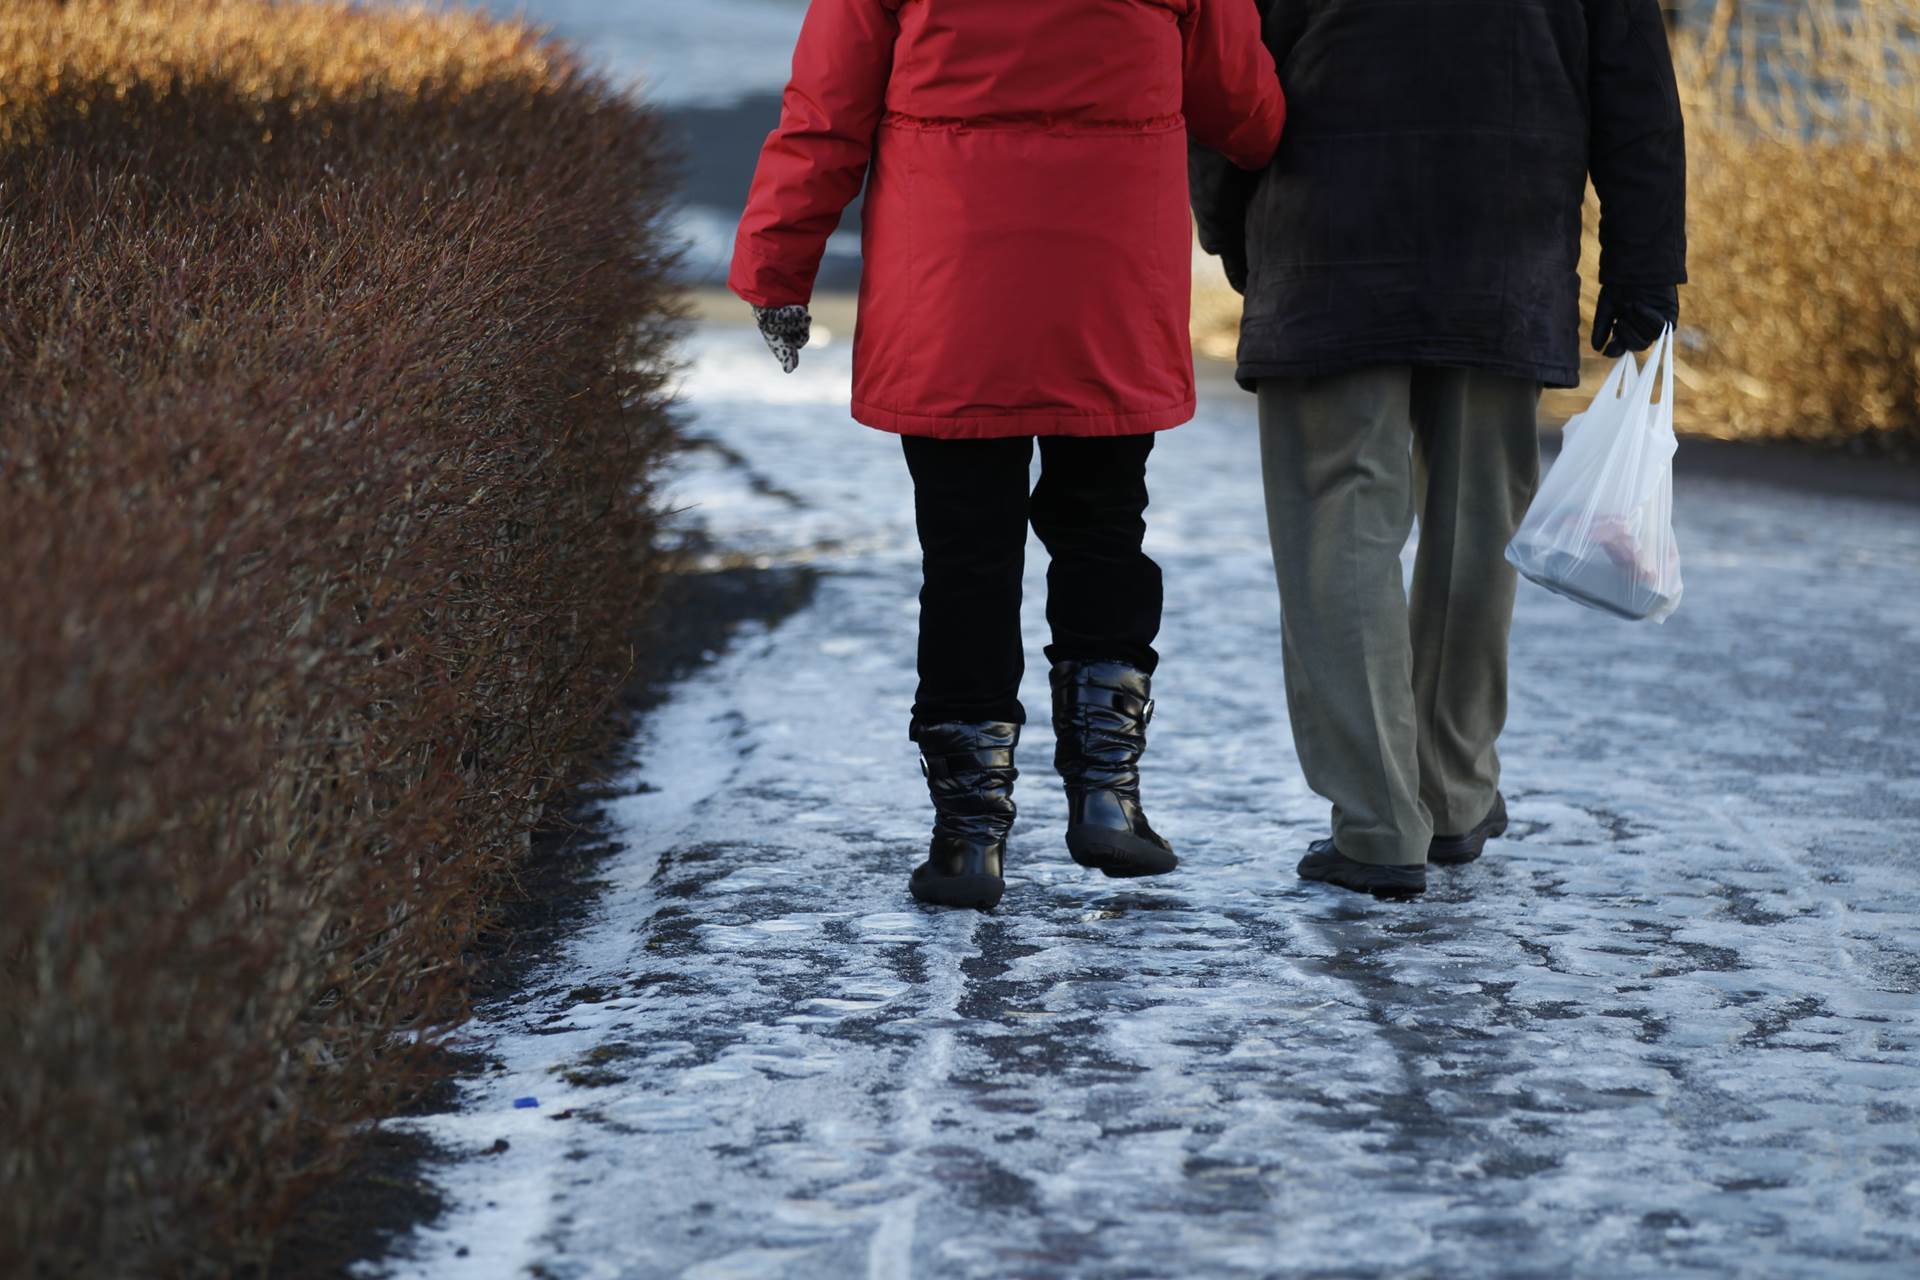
(1027, 267)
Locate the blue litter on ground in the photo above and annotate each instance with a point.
(522, 1104)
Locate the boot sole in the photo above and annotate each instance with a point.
(1119, 854)
(1464, 849)
(979, 893)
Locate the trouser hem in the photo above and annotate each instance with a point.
(1143, 660)
(969, 713)
(1459, 819)
(1383, 850)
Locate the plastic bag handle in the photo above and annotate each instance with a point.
(1665, 355)
(1620, 380)
(1662, 413)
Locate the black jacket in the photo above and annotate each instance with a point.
(1424, 207)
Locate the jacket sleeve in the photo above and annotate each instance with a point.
(815, 163)
(1637, 151)
(1233, 102)
(1221, 189)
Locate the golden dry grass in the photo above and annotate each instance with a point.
(331, 371)
(1805, 225)
(58, 56)
(1802, 320)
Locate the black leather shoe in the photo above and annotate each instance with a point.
(1451, 851)
(1100, 716)
(970, 774)
(1330, 866)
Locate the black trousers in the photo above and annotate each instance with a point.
(973, 506)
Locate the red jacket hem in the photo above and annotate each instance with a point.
(995, 426)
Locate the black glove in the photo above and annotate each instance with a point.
(786, 330)
(1222, 194)
(1629, 317)
(1235, 263)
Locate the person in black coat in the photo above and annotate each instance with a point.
(1410, 266)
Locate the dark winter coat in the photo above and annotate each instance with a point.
(1424, 206)
(1028, 257)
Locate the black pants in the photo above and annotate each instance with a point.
(972, 503)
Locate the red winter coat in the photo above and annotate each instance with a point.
(1028, 256)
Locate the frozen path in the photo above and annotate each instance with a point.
(1670, 1025)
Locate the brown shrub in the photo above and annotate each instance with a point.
(1803, 316)
(330, 386)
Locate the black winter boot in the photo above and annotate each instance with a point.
(1455, 850)
(1324, 862)
(970, 773)
(1100, 716)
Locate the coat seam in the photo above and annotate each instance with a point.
(1038, 124)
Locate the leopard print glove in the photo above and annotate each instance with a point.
(786, 330)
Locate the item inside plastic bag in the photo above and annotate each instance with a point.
(1600, 530)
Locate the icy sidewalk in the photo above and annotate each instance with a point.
(1668, 1025)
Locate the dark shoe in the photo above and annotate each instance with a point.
(970, 774)
(1330, 866)
(1451, 851)
(1100, 716)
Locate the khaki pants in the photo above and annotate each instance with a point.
(1397, 705)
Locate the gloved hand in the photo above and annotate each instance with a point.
(786, 330)
(1629, 317)
(1235, 262)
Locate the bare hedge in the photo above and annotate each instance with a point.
(331, 381)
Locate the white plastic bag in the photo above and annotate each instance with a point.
(1601, 529)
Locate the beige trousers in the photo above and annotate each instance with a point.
(1398, 704)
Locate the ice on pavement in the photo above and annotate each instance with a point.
(1669, 1024)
